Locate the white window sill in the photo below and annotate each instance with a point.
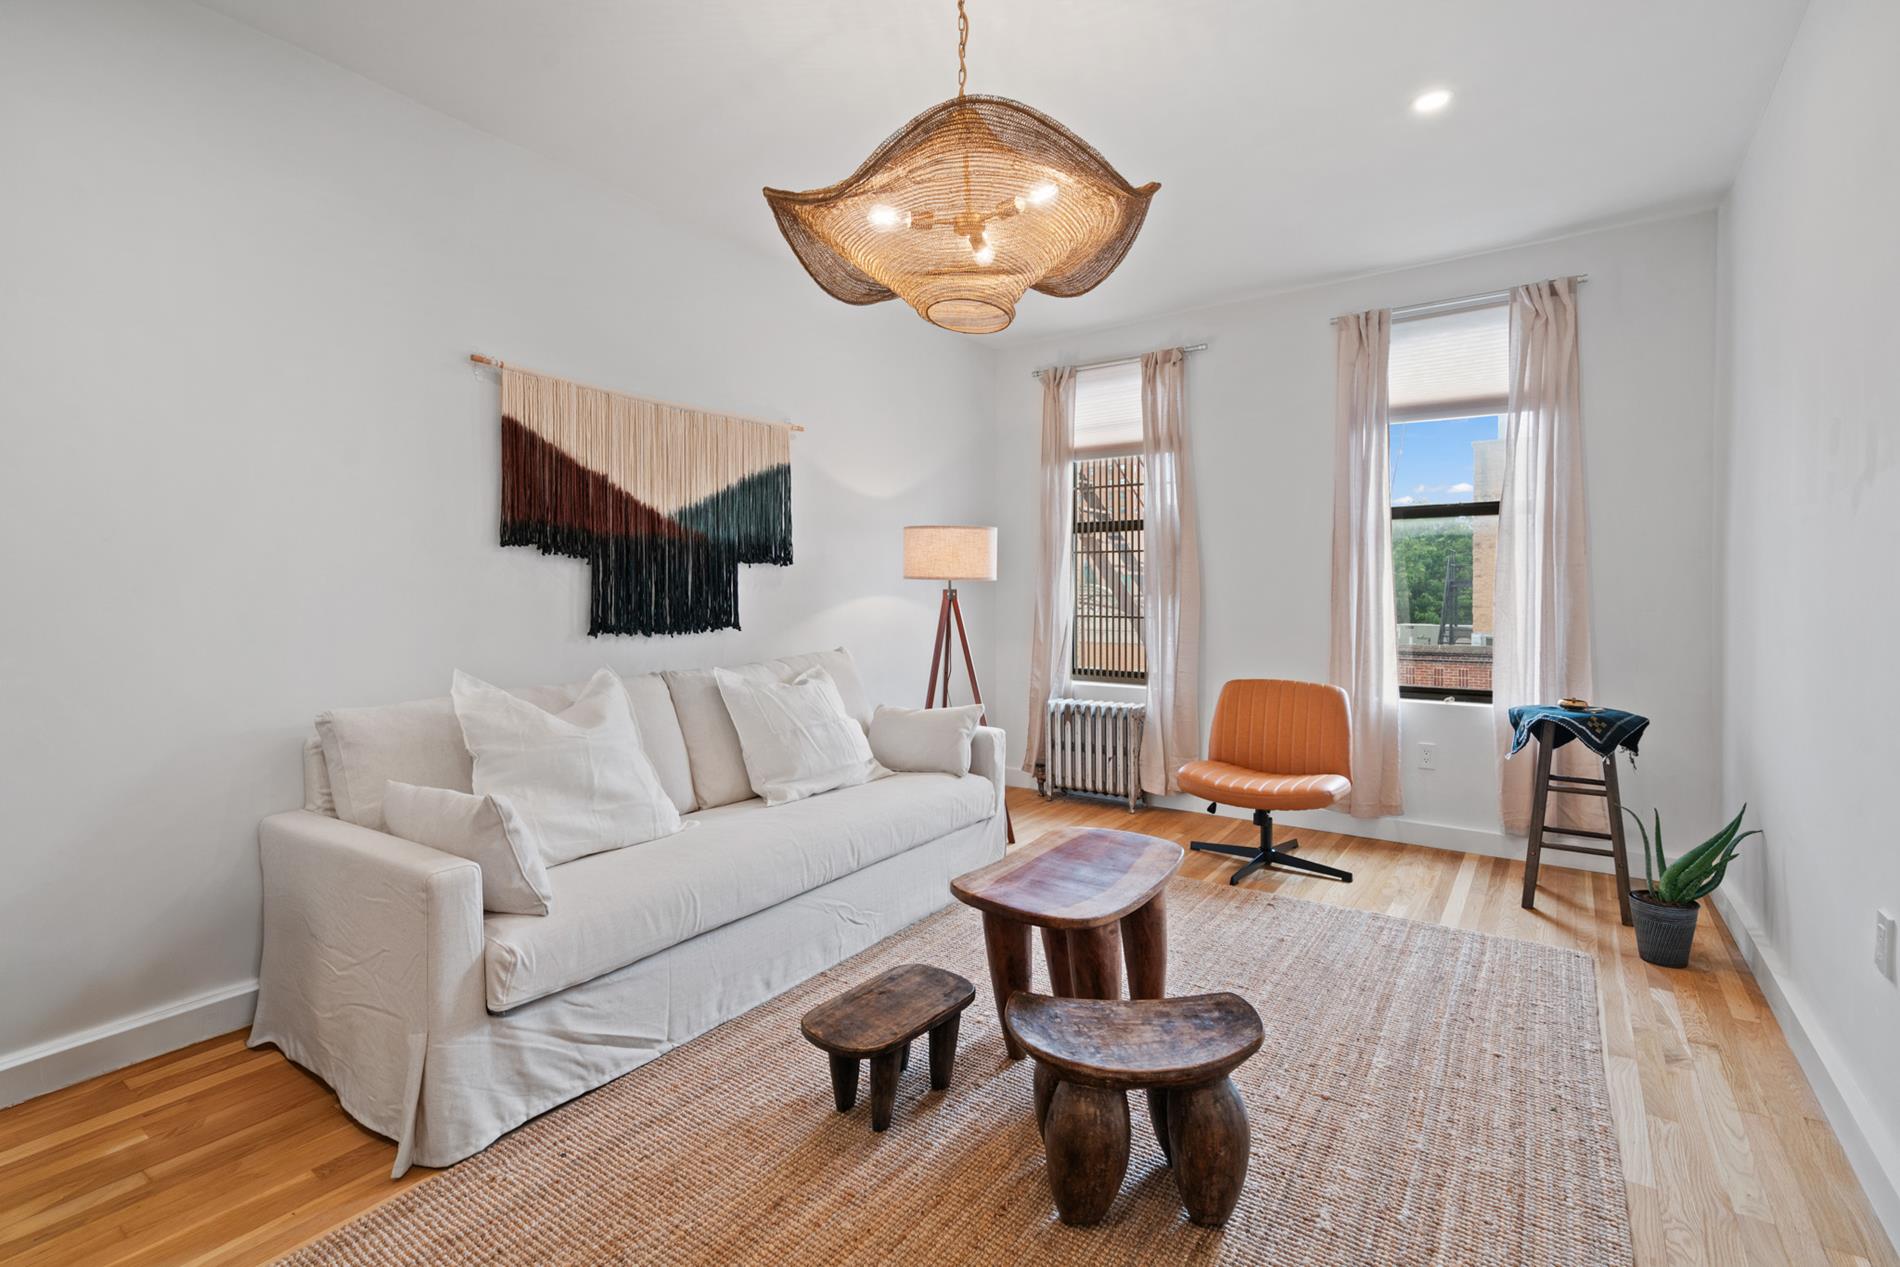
(1083, 689)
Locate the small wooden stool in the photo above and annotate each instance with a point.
(1544, 785)
(877, 1019)
(1090, 1052)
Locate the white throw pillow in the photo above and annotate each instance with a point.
(577, 777)
(485, 830)
(417, 742)
(796, 736)
(925, 740)
(718, 761)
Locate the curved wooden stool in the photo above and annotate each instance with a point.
(1090, 1052)
(877, 1019)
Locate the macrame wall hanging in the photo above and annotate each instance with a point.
(663, 502)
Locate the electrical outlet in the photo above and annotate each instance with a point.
(1428, 756)
(1883, 944)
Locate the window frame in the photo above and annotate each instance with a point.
(1440, 510)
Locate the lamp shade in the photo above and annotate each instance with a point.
(949, 552)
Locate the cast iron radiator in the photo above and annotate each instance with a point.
(1094, 749)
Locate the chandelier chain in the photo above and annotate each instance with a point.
(963, 40)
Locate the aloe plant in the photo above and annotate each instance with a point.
(1695, 874)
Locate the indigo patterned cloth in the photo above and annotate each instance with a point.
(1603, 729)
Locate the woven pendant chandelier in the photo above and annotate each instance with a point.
(971, 203)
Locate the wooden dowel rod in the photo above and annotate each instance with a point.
(478, 359)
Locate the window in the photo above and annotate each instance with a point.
(1107, 531)
(1448, 379)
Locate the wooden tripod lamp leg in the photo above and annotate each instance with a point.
(969, 664)
(950, 604)
(937, 646)
(955, 610)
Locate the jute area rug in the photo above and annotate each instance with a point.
(1425, 1095)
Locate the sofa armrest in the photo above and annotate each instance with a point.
(987, 747)
(372, 945)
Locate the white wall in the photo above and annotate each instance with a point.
(1260, 419)
(248, 473)
(1810, 513)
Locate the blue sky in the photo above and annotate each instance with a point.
(1431, 461)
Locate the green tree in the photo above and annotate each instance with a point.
(1420, 548)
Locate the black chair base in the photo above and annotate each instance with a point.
(1267, 854)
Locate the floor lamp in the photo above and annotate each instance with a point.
(951, 553)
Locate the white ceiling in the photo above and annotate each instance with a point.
(1281, 132)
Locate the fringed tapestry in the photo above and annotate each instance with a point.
(663, 502)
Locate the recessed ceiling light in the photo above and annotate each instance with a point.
(1431, 102)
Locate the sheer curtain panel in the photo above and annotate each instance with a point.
(1365, 652)
(1171, 577)
(1055, 585)
(1543, 578)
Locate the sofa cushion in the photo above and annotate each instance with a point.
(613, 909)
(798, 740)
(420, 742)
(318, 797)
(577, 776)
(660, 737)
(417, 742)
(712, 742)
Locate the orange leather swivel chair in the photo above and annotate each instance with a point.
(1274, 745)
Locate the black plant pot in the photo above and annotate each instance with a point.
(1664, 933)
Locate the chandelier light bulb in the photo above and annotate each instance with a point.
(985, 252)
(884, 217)
(1042, 195)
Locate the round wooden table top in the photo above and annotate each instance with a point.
(1073, 877)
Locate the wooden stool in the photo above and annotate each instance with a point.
(1090, 1052)
(1097, 895)
(877, 1020)
(1543, 786)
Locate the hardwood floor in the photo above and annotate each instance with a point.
(218, 1154)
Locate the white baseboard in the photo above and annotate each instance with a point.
(1871, 1149)
(1485, 842)
(125, 1041)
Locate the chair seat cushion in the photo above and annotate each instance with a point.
(1253, 789)
(612, 909)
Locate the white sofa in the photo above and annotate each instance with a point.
(441, 1026)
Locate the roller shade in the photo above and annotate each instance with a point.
(1452, 365)
(1108, 408)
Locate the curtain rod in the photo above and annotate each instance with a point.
(1119, 360)
(1462, 303)
(478, 359)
